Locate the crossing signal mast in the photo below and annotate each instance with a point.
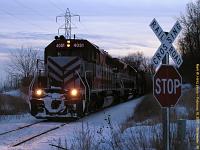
(67, 26)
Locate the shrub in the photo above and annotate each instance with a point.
(10, 105)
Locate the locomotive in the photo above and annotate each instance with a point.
(76, 77)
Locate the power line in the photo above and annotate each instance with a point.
(87, 31)
(29, 8)
(55, 5)
(23, 20)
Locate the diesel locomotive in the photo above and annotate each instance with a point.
(77, 77)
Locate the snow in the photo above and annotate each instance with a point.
(13, 119)
(186, 87)
(147, 133)
(11, 122)
(51, 97)
(181, 111)
(96, 121)
(102, 126)
(118, 114)
(16, 93)
(27, 132)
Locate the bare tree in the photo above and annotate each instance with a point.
(134, 59)
(140, 62)
(189, 43)
(148, 65)
(22, 63)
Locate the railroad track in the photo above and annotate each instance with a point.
(20, 128)
(27, 133)
(37, 135)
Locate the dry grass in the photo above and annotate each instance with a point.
(10, 105)
(84, 139)
(147, 109)
(149, 112)
(138, 137)
(188, 100)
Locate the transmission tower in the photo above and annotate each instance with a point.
(67, 27)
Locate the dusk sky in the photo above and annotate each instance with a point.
(120, 27)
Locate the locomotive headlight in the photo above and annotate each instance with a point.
(39, 92)
(74, 92)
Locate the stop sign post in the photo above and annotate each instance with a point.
(167, 86)
(167, 81)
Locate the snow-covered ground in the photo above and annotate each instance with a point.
(16, 93)
(97, 121)
(185, 87)
(16, 119)
(147, 134)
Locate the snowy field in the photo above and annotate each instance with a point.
(16, 93)
(101, 127)
(97, 121)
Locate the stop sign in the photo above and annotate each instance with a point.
(167, 86)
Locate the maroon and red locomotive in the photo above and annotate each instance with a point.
(78, 77)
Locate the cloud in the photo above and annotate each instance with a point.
(17, 40)
(26, 36)
(96, 36)
(137, 44)
(4, 56)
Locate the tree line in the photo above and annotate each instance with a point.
(189, 42)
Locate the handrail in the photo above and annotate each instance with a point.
(32, 82)
(122, 83)
(87, 83)
(88, 89)
(84, 86)
(34, 77)
(82, 82)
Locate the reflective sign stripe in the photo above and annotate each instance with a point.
(64, 69)
(166, 41)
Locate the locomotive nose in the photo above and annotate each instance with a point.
(55, 104)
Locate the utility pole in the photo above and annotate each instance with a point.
(67, 27)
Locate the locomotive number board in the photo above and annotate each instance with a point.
(68, 44)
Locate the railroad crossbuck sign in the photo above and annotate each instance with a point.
(167, 86)
(166, 40)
